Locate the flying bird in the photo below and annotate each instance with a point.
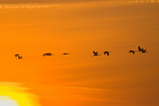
(144, 51)
(48, 54)
(19, 57)
(96, 53)
(65, 53)
(132, 51)
(106, 52)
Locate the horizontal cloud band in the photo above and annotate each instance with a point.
(45, 1)
(26, 6)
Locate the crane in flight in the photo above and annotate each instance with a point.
(19, 57)
(144, 51)
(107, 52)
(48, 54)
(132, 51)
(96, 53)
(65, 53)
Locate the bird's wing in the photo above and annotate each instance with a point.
(94, 52)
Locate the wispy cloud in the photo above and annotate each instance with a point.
(45, 1)
(31, 4)
(27, 6)
(142, 1)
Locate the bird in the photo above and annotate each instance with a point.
(19, 57)
(16, 55)
(65, 53)
(48, 54)
(96, 53)
(144, 51)
(106, 52)
(132, 51)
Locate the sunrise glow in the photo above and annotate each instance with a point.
(79, 52)
(13, 95)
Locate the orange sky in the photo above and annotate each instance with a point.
(79, 79)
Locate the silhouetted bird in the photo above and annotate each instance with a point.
(48, 54)
(95, 53)
(106, 52)
(144, 51)
(19, 57)
(65, 53)
(132, 51)
(16, 55)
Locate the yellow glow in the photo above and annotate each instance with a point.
(13, 95)
(7, 101)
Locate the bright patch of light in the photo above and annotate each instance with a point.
(11, 94)
(7, 101)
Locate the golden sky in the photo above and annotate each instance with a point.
(122, 79)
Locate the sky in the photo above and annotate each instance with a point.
(78, 79)
(46, 1)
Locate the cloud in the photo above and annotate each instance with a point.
(27, 6)
(45, 1)
(31, 4)
(142, 1)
